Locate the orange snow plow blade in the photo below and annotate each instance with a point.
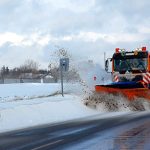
(130, 92)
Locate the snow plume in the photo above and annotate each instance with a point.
(109, 102)
(102, 101)
(88, 71)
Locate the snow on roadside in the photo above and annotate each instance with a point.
(26, 105)
(41, 104)
(48, 110)
(18, 115)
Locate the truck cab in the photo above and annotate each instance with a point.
(130, 65)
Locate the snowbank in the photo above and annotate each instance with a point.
(26, 105)
(54, 109)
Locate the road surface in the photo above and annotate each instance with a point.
(123, 132)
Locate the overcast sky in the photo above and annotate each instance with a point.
(31, 29)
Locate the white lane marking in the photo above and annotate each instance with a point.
(43, 146)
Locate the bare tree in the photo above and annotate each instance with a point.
(54, 66)
(62, 53)
(29, 66)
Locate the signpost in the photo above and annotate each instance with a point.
(64, 67)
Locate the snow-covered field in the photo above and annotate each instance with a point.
(27, 91)
(26, 105)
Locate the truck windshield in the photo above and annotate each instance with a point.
(136, 64)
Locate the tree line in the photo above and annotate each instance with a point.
(30, 69)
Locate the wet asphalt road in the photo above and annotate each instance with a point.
(67, 134)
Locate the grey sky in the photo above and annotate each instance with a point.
(86, 28)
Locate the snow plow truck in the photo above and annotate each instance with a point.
(130, 74)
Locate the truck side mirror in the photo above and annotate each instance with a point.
(106, 65)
